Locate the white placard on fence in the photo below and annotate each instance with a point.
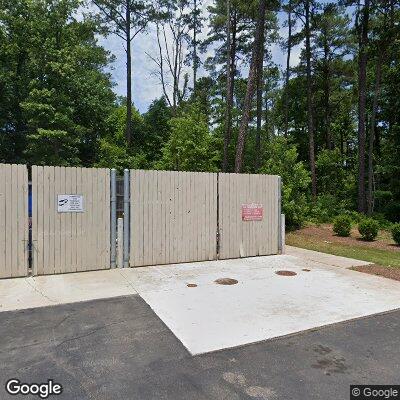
(69, 203)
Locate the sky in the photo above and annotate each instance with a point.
(145, 86)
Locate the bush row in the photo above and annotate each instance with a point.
(367, 227)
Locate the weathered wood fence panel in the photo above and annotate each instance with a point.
(70, 241)
(14, 221)
(239, 238)
(173, 217)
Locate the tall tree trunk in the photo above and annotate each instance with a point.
(266, 117)
(377, 90)
(259, 111)
(230, 80)
(310, 107)
(327, 102)
(228, 113)
(287, 77)
(128, 133)
(258, 52)
(362, 100)
(195, 66)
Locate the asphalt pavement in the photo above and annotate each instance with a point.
(119, 349)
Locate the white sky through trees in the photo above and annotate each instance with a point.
(146, 86)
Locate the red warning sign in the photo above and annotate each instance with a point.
(252, 212)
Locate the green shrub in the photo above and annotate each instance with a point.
(368, 229)
(396, 233)
(342, 225)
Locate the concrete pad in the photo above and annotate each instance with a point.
(41, 291)
(83, 286)
(262, 305)
(329, 259)
(18, 293)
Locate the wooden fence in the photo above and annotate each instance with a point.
(249, 215)
(13, 220)
(74, 239)
(173, 217)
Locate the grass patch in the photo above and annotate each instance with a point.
(373, 255)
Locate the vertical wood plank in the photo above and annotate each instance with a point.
(20, 256)
(168, 217)
(191, 213)
(3, 200)
(97, 213)
(163, 216)
(74, 223)
(34, 219)
(107, 173)
(133, 219)
(40, 222)
(78, 222)
(140, 188)
(13, 218)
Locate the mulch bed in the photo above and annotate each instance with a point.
(326, 234)
(387, 272)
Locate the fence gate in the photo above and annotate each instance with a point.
(70, 219)
(249, 215)
(13, 220)
(173, 217)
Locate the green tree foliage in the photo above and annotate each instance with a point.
(56, 93)
(282, 160)
(114, 151)
(191, 147)
(53, 147)
(57, 106)
(156, 130)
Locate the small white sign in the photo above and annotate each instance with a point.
(70, 203)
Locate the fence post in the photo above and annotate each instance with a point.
(126, 217)
(113, 216)
(120, 258)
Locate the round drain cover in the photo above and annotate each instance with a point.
(226, 281)
(286, 273)
(191, 285)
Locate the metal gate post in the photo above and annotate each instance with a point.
(126, 217)
(120, 257)
(113, 216)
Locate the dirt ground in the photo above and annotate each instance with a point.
(325, 233)
(386, 272)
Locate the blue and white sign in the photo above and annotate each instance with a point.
(70, 203)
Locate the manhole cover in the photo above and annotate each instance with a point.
(286, 273)
(306, 270)
(226, 281)
(191, 285)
